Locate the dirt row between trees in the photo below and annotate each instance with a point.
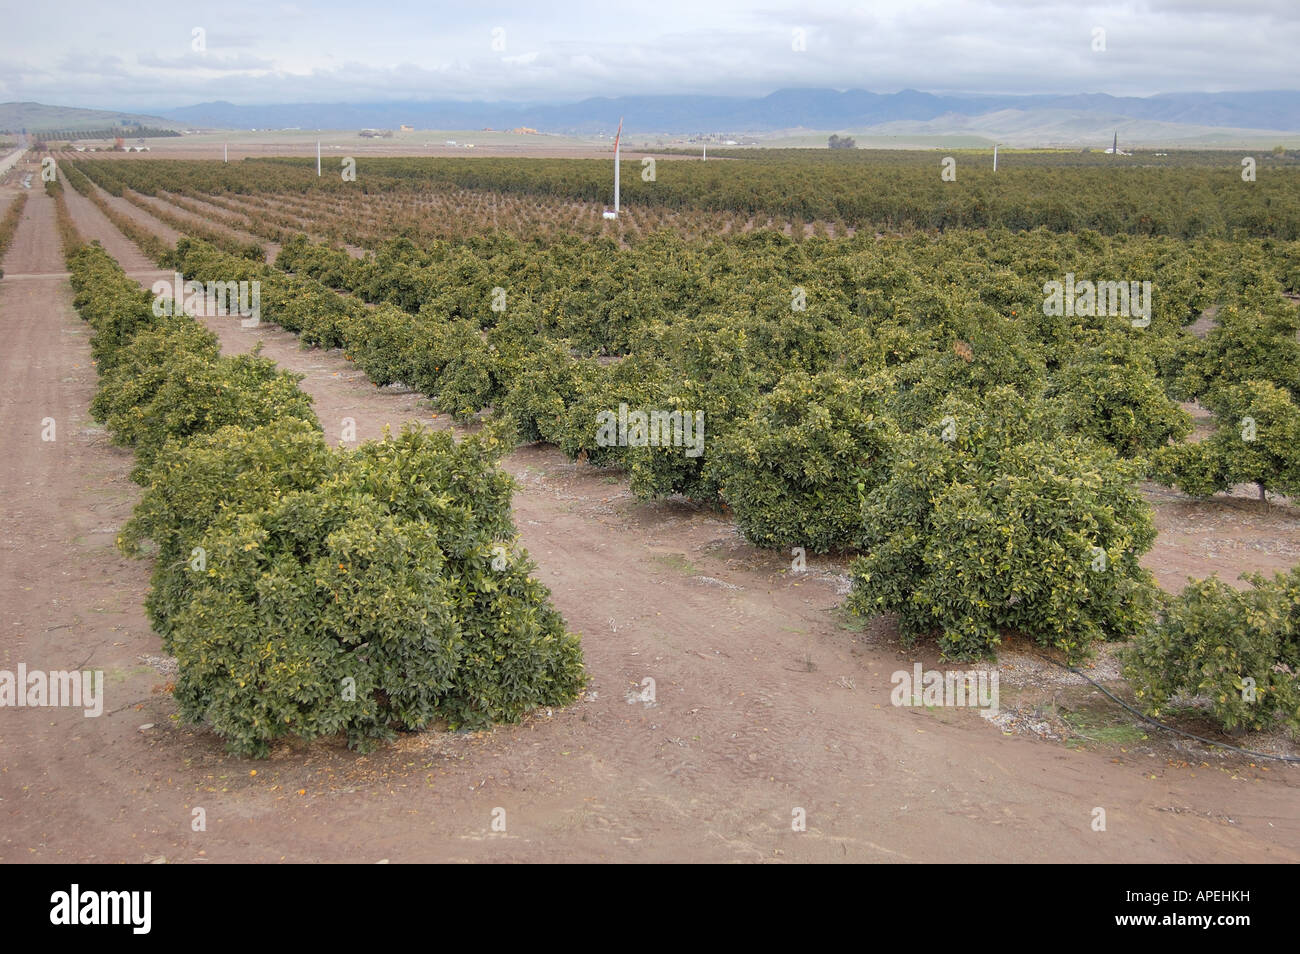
(764, 704)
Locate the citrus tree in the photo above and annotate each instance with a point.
(791, 469)
(1238, 650)
(995, 521)
(1256, 440)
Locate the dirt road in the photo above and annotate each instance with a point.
(764, 705)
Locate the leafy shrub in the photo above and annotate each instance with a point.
(1007, 525)
(984, 352)
(190, 393)
(709, 409)
(1213, 638)
(301, 596)
(307, 591)
(791, 470)
(193, 484)
(1250, 343)
(132, 373)
(115, 307)
(384, 574)
(449, 361)
(542, 383)
(382, 346)
(456, 367)
(1116, 399)
(1256, 440)
(634, 381)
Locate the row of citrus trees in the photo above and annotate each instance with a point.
(984, 467)
(147, 241)
(720, 323)
(307, 590)
(9, 224)
(884, 190)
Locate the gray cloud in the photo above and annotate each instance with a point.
(341, 51)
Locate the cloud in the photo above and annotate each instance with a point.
(209, 61)
(523, 59)
(335, 51)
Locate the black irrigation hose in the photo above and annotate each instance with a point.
(1169, 728)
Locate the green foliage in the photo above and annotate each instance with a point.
(1212, 639)
(1247, 344)
(1008, 525)
(986, 352)
(383, 574)
(190, 393)
(383, 346)
(633, 381)
(193, 484)
(545, 381)
(117, 311)
(1116, 399)
(457, 367)
(1256, 440)
(794, 469)
(306, 591)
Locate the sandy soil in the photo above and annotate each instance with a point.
(765, 703)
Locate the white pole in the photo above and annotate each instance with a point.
(225, 153)
(617, 147)
(995, 157)
(318, 157)
(705, 158)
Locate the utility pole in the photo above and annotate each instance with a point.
(617, 142)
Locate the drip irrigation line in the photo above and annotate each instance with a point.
(1169, 728)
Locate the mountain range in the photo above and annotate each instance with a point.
(1082, 117)
(782, 110)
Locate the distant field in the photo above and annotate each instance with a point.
(1180, 194)
(334, 143)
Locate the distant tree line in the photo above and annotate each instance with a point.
(139, 132)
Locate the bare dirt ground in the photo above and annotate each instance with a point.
(765, 703)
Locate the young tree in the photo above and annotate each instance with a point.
(1256, 440)
(1239, 650)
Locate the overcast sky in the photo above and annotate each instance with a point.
(140, 54)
